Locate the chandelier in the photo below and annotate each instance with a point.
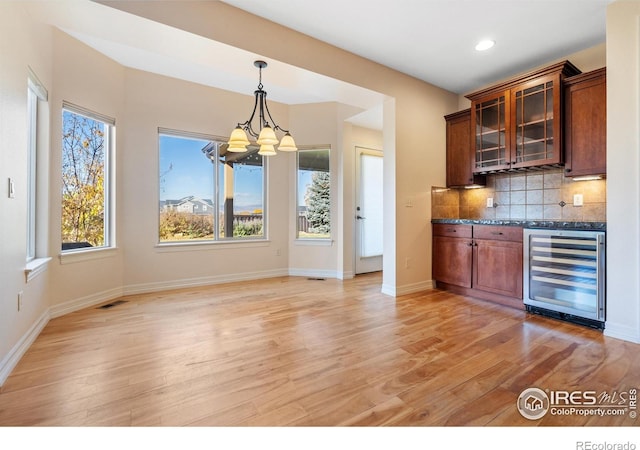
(267, 139)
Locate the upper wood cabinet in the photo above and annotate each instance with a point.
(518, 123)
(586, 124)
(459, 152)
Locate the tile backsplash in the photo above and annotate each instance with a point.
(524, 196)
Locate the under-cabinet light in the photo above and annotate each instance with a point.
(474, 186)
(588, 178)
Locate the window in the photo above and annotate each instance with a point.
(36, 178)
(207, 193)
(314, 194)
(87, 146)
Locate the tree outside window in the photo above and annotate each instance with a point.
(85, 148)
(314, 194)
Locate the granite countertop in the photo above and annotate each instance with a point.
(592, 226)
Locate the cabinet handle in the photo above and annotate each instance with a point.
(567, 170)
(497, 233)
(452, 230)
(470, 244)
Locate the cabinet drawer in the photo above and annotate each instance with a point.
(443, 229)
(497, 233)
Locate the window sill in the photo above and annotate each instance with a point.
(35, 267)
(210, 245)
(76, 256)
(314, 242)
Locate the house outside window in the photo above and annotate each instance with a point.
(87, 146)
(314, 194)
(207, 193)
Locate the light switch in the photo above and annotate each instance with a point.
(577, 200)
(490, 202)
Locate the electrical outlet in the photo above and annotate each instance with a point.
(490, 202)
(19, 300)
(578, 200)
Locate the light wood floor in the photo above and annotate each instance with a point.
(297, 352)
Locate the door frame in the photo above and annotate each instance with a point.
(375, 264)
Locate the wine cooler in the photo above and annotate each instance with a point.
(564, 274)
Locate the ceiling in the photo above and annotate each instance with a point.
(434, 40)
(431, 40)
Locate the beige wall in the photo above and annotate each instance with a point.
(156, 101)
(623, 170)
(22, 45)
(316, 124)
(87, 79)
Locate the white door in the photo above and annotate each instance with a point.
(368, 214)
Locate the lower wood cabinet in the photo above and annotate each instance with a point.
(483, 261)
(452, 248)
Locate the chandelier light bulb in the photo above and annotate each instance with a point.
(267, 150)
(267, 136)
(238, 138)
(287, 144)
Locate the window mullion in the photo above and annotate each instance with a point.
(216, 195)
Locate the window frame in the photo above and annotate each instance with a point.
(33, 98)
(36, 245)
(109, 233)
(217, 240)
(316, 239)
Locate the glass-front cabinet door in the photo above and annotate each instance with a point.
(535, 115)
(518, 123)
(492, 144)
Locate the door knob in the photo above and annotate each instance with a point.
(359, 217)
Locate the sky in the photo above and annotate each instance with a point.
(186, 171)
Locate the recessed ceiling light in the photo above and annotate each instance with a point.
(485, 45)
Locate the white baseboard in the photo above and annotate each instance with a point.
(396, 291)
(314, 273)
(345, 275)
(317, 273)
(414, 287)
(10, 361)
(85, 302)
(388, 290)
(624, 332)
(144, 288)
